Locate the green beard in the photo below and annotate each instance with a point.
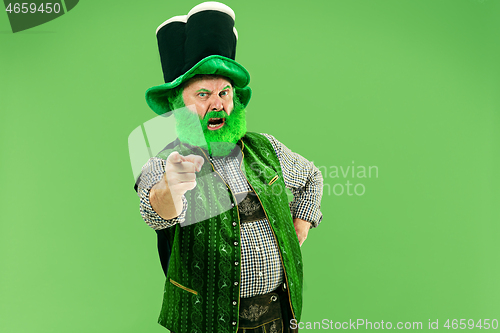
(218, 142)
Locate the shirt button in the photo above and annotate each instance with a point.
(234, 224)
(260, 273)
(256, 248)
(234, 302)
(232, 204)
(234, 323)
(235, 263)
(235, 283)
(235, 243)
(250, 224)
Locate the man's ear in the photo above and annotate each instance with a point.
(236, 101)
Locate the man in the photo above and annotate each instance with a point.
(229, 240)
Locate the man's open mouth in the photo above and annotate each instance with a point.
(215, 123)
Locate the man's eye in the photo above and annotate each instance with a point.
(202, 94)
(224, 93)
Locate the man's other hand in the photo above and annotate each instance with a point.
(301, 228)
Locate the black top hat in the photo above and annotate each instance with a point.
(201, 42)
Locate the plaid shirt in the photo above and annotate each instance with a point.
(261, 268)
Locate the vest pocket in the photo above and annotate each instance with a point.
(182, 287)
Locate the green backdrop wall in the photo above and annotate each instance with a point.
(409, 88)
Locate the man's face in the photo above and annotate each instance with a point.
(211, 103)
(209, 94)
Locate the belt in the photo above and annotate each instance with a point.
(263, 310)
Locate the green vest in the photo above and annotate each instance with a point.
(203, 279)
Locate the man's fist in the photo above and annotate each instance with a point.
(180, 172)
(166, 196)
(302, 229)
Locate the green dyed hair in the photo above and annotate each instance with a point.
(174, 98)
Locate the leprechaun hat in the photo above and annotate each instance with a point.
(201, 42)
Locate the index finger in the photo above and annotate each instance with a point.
(175, 158)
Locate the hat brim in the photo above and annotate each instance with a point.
(156, 96)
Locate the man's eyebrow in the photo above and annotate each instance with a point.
(227, 87)
(204, 90)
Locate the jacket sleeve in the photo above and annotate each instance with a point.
(152, 173)
(305, 181)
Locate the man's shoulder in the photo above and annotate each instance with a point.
(171, 146)
(259, 136)
(262, 142)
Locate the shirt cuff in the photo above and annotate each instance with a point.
(307, 210)
(152, 218)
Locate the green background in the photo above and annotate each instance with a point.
(411, 87)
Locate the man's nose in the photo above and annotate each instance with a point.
(216, 103)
